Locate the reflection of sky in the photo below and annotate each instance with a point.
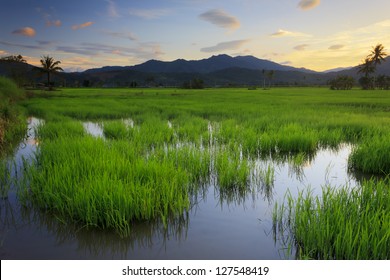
(28, 147)
(327, 168)
(95, 129)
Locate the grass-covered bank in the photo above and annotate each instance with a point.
(12, 123)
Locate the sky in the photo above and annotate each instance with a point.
(83, 34)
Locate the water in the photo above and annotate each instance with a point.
(218, 226)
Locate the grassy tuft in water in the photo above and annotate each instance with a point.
(341, 224)
(372, 156)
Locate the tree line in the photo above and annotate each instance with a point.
(368, 69)
(48, 65)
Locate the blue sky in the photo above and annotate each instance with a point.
(316, 34)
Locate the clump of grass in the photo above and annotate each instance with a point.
(12, 125)
(372, 156)
(232, 172)
(56, 130)
(341, 224)
(93, 182)
(293, 138)
(116, 130)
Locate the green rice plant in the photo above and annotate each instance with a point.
(55, 130)
(372, 155)
(192, 129)
(154, 132)
(12, 122)
(343, 223)
(90, 181)
(293, 138)
(116, 130)
(232, 172)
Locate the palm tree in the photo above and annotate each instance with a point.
(50, 66)
(377, 54)
(367, 67)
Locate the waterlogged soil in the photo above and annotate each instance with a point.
(218, 226)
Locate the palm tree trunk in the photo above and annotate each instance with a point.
(48, 80)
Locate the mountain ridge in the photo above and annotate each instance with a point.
(218, 70)
(207, 65)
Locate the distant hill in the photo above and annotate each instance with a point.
(208, 65)
(220, 70)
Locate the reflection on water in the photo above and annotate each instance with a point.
(94, 129)
(219, 225)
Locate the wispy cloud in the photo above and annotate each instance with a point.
(112, 10)
(48, 17)
(287, 62)
(123, 35)
(83, 25)
(56, 23)
(25, 31)
(149, 13)
(221, 19)
(301, 47)
(32, 47)
(231, 45)
(336, 47)
(286, 33)
(308, 4)
(3, 52)
(142, 50)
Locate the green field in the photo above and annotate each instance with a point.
(161, 146)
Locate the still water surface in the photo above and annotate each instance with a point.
(216, 227)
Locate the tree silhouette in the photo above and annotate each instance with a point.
(377, 54)
(50, 66)
(14, 58)
(367, 67)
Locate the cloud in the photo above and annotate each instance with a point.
(143, 50)
(83, 25)
(231, 45)
(20, 45)
(221, 19)
(25, 31)
(112, 10)
(126, 35)
(149, 13)
(57, 23)
(308, 4)
(3, 52)
(336, 47)
(77, 50)
(301, 47)
(286, 33)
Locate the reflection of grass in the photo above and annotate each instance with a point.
(5, 179)
(342, 224)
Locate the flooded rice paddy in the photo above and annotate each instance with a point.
(217, 226)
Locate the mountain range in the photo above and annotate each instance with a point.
(219, 70)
